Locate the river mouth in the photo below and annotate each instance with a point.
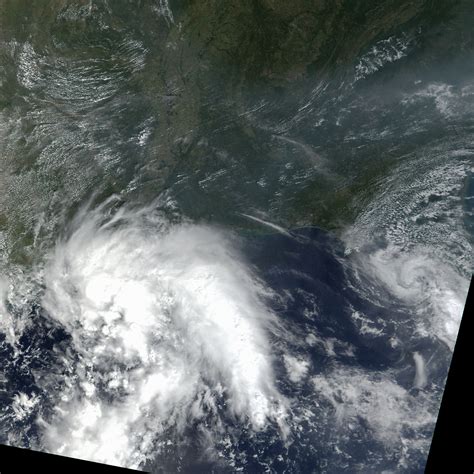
(232, 244)
(150, 341)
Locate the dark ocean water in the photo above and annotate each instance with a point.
(341, 338)
(235, 238)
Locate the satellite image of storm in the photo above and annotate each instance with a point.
(235, 236)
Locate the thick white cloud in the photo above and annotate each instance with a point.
(168, 323)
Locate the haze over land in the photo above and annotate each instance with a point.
(233, 235)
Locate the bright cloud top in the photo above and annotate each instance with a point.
(169, 327)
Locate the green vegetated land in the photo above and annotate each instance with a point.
(221, 88)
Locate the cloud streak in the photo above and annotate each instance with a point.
(169, 328)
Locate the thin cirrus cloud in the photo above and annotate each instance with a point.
(168, 327)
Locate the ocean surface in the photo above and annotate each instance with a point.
(235, 238)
